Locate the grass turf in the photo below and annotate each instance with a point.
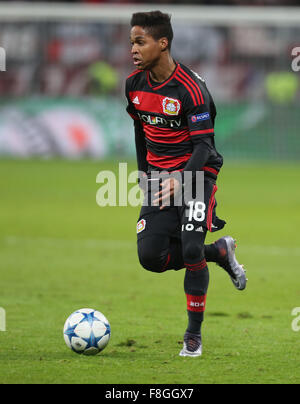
(59, 252)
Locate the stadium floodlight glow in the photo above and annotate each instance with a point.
(2, 60)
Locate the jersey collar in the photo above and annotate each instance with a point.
(160, 85)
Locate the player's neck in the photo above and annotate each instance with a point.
(163, 70)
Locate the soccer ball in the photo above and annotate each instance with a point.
(87, 332)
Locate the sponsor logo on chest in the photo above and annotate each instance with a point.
(160, 121)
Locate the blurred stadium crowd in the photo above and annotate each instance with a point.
(183, 2)
(63, 79)
(83, 58)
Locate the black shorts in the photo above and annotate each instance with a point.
(194, 216)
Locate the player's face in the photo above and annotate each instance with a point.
(146, 51)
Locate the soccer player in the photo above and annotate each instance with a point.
(174, 116)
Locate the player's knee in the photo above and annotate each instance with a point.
(149, 262)
(150, 259)
(193, 252)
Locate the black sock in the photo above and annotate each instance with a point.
(211, 253)
(195, 322)
(195, 285)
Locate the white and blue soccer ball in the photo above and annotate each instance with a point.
(87, 331)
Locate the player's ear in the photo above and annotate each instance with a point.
(164, 43)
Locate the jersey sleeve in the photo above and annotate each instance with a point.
(140, 143)
(130, 107)
(200, 114)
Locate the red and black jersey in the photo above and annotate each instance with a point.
(175, 115)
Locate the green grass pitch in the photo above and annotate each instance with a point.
(59, 252)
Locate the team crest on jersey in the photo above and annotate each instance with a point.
(171, 106)
(141, 226)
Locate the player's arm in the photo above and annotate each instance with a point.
(140, 143)
(200, 154)
(200, 117)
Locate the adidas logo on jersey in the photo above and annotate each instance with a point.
(136, 100)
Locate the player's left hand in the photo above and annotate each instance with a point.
(169, 188)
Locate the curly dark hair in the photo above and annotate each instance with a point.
(157, 24)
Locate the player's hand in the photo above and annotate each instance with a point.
(169, 188)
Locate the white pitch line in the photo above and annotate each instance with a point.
(106, 243)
